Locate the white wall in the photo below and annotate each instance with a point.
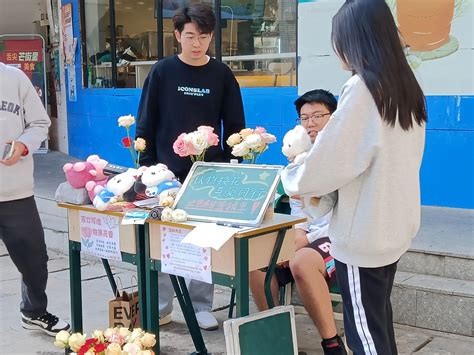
(17, 16)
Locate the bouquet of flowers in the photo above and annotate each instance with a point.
(135, 147)
(112, 341)
(250, 143)
(195, 144)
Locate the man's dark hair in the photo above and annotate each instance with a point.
(317, 96)
(198, 13)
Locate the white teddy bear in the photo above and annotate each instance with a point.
(296, 144)
(114, 190)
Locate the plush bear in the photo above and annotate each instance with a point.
(94, 187)
(296, 144)
(78, 174)
(99, 165)
(114, 190)
(153, 176)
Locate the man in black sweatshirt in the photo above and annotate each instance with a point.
(181, 93)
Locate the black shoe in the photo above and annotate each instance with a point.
(47, 322)
(333, 346)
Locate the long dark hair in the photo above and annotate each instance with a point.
(365, 37)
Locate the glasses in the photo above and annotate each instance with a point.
(315, 118)
(191, 39)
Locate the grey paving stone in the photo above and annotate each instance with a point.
(404, 305)
(445, 313)
(422, 263)
(459, 268)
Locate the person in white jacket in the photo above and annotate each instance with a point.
(370, 152)
(24, 125)
(312, 269)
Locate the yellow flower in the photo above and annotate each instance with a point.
(148, 340)
(145, 352)
(126, 121)
(77, 340)
(234, 139)
(124, 332)
(62, 339)
(139, 144)
(245, 132)
(99, 335)
(261, 148)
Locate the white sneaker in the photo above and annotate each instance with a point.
(207, 321)
(165, 319)
(47, 322)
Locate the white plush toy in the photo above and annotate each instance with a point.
(154, 176)
(296, 144)
(114, 190)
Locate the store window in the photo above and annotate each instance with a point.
(258, 40)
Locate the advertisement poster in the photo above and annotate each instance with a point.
(100, 235)
(183, 259)
(66, 28)
(27, 55)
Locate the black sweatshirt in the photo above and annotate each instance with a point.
(178, 98)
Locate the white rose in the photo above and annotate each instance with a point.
(167, 214)
(137, 333)
(126, 121)
(99, 335)
(131, 348)
(145, 352)
(139, 145)
(124, 332)
(166, 201)
(199, 141)
(109, 332)
(148, 340)
(240, 150)
(62, 339)
(76, 340)
(179, 215)
(113, 349)
(253, 140)
(234, 139)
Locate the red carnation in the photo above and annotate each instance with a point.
(127, 142)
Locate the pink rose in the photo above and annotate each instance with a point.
(260, 130)
(180, 147)
(268, 138)
(212, 138)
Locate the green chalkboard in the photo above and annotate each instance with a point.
(235, 194)
(271, 332)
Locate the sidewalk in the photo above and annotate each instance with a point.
(174, 338)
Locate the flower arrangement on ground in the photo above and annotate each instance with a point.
(112, 341)
(195, 144)
(134, 146)
(250, 143)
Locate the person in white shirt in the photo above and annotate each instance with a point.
(370, 152)
(313, 268)
(24, 125)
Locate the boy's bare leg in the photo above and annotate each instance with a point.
(257, 281)
(309, 272)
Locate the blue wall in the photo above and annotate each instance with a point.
(447, 174)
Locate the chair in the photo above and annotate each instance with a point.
(278, 69)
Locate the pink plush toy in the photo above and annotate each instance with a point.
(94, 187)
(78, 174)
(99, 165)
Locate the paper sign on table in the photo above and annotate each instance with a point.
(210, 235)
(182, 259)
(100, 235)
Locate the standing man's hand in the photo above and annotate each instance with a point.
(18, 151)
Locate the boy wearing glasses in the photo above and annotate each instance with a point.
(181, 93)
(313, 267)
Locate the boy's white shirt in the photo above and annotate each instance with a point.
(375, 169)
(24, 119)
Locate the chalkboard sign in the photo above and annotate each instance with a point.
(234, 194)
(271, 332)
